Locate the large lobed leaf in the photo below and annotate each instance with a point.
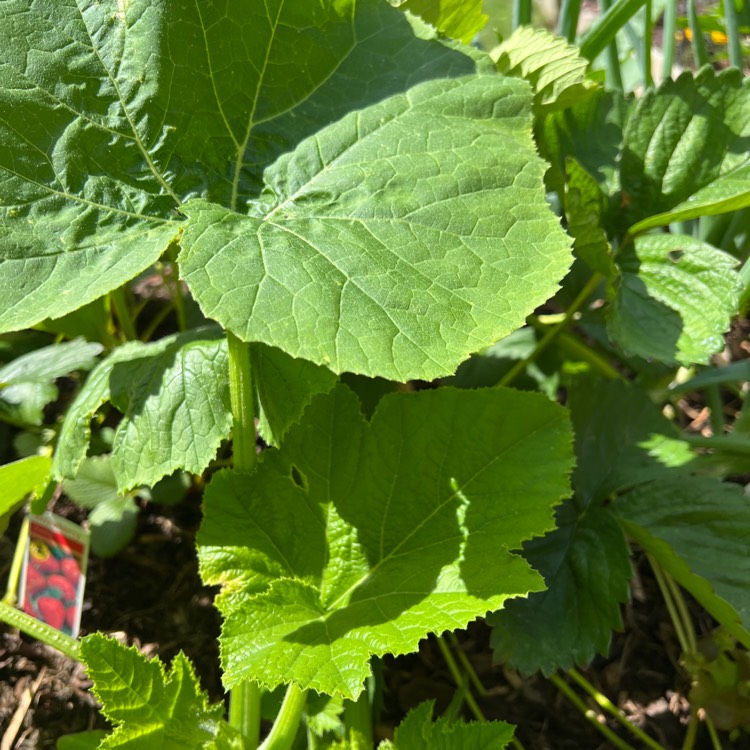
(361, 538)
(384, 247)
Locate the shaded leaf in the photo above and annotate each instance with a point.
(674, 298)
(358, 539)
(699, 532)
(683, 136)
(366, 257)
(285, 386)
(418, 732)
(586, 567)
(27, 384)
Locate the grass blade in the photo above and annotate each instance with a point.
(604, 30)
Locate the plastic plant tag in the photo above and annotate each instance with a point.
(53, 572)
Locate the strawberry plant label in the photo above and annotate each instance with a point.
(53, 573)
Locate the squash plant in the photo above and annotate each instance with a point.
(347, 192)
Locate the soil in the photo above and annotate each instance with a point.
(150, 595)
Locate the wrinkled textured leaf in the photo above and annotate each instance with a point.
(358, 539)
(27, 384)
(112, 114)
(699, 532)
(729, 192)
(18, 478)
(366, 257)
(149, 707)
(586, 567)
(418, 732)
(175, 402)
(459, 19)
(674, 298)
(681, 137)
(555, 69)
(285, 386)
(620, 438)
(174, 395)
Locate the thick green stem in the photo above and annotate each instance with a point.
(40, 630)
(244, 702)
(698, 45)
(358, 721)
(521, 13)
(281, 736)
(733, 34)
(554, 332)
(648, 80)
(612, 710)
(118, 301)
(589, 715)
(612, 58)
(667, 45)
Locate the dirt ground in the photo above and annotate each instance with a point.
(150, 594)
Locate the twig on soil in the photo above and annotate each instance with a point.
(22, 709)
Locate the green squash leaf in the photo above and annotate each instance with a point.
(112, 114)
(361, 538)
(174, 396)
(150, 709)
(27, 384)
(683, 136)
(586, 567)
(674, 298)
(366, 257)
(698, 531)
(458, 19)
(18, 478)
(555, 69)
(418, 732)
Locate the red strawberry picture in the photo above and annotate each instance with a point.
(52, 611)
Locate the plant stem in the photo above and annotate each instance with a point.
(603, 32)
(117, 298)
(697, 43)
(667, 44)
(567, 24)
(40, 630)
(648, 80)
(720, 442)
(553, 333)
(244, 701)
(692, 731)
(716, 405)
(358, 720)
(612, 710)
(589, 714)
(715, 741)
(676, 608)
(456, 674)
(521, 13)
(733, 34)
(466, 664)
(612, 59)
(284, 730)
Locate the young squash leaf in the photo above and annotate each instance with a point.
(418, 732)
(174, 396)
(364, 256)
(555, 69)
(361, 538)
(458, 19)
(698, 531)
(673, 299)
(150, 708)
(586, 567)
